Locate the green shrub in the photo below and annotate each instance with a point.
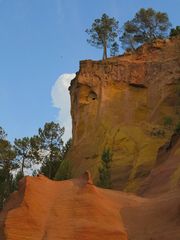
(105, 169)
(64, 171)
(177, 128)
(168, 121)
(157, 132)
(175, 31)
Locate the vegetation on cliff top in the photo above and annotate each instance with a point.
(146, 26)
(175, 31)
(103, 33)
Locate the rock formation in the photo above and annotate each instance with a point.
(129, 104)
(43, 209)
(123, 104)
(166, 174)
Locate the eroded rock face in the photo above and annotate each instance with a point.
(165, 176)
(75, 209)
(121, 104)
(51, 210)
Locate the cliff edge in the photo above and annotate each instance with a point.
(123, 104)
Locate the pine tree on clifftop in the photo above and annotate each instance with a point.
(103, 33)
(146, 26)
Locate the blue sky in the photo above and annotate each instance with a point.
(43, 39)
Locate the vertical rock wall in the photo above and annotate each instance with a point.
(121, 104)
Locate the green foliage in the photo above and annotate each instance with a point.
(178, 89)
(66, 148)
(103, 33)
(51, 144)
(6, 186)
(51, 135)
(3, 134)
(177, 128)
(157, 132)
(65, 171)
(16, 180)
(46, 148)
(168, 121)
(146, 26)
(35, 142)
(24, 154)
(114, 49)
(105, 169)
(35, 173)
(175, 31)
(7, 164)
(49, 167)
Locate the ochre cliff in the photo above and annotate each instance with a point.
(165, 176)
(75, 209)
(131, 105)
(123, 104)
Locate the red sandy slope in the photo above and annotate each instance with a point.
(77, 210)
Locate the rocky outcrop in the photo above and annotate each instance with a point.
(165, 176)
(51, 210)
(75, 209)
(122, 104)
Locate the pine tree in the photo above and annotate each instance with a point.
(175, 31)
(114, 49)
(146, 26)
(7, 164)
(24, 156)
(103, 33)
(51, 145)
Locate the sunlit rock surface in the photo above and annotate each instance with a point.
(77, 210)
(122, 104)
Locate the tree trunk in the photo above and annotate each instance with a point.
(22, 167)
(50, 170)
(50, 160)
(104, 51)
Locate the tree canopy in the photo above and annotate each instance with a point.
(24, 155)
(103, 33)
(46, 148)
(51, 145)
(7, 164)
(114, 49)
(175, 31)
(146, 26)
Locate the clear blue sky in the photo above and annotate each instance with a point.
(42, 39)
